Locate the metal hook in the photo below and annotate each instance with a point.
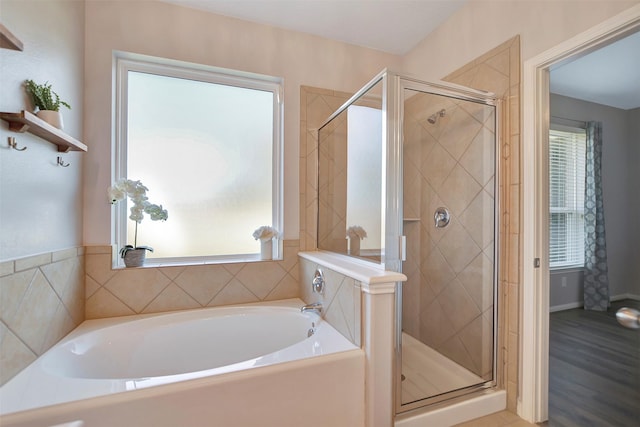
(13, 144)
(62, 163)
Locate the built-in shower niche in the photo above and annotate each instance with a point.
(350, 186)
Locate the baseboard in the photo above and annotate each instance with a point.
(569, 306)
(579, 304)
(625, 296)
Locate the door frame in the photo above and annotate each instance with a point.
(533, 396)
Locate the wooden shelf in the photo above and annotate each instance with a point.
(8, 40)
(25, 121)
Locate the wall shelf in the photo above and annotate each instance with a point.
(25, 121)
(8, 40)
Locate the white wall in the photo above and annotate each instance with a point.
(165, 30)
(40, 202)
(633, 203)
(483, 24)
(620, 187)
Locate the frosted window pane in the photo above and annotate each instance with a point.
(204, 150)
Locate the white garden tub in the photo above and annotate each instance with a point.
(193, 368)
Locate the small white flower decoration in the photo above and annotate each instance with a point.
(138, 195)
(265, 233)
(356, 232)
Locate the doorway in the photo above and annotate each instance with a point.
(533, 403)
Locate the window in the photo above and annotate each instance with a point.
(207, 143)
(566, 196)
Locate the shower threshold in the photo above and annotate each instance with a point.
(427, 373)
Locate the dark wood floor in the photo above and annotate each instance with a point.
(594, 369)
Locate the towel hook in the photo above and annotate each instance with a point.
(13, 144)
(62, 163)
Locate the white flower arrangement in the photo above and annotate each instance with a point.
(138, 195)
(356, 232)
(265, 233)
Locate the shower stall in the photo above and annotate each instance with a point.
(407, 181)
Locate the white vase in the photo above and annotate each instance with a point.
(54, 118)
(266, 249)
(354, 246)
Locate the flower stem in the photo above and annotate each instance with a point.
(135, 237)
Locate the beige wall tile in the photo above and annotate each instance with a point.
(234, 293)
(14, 354)
(137, 287)
(261, 279)
(202, 283)
(171, 298)
(287, 288)
(6, 268)
(37, 308)
(64, 254)
(39, 305)
(104, 304)
(32, 261)
(102, 249)
(340, 300)
(98, 266)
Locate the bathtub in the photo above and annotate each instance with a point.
(257, 364)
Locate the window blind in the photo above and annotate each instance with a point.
(566, 196)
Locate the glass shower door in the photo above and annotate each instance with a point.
(448, 302)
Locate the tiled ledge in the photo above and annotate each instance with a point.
(374, 280)
(33, 261)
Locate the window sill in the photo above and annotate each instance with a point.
(566, 269)
(159, 263)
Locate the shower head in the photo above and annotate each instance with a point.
(434, 117)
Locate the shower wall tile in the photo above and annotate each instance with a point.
(457, 171)
(499, 71)
(41, 300)
(340, 300)
(126, 291)
(316, 105)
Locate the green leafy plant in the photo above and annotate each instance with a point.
(43, 96)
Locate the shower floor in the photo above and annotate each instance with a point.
(428, 373)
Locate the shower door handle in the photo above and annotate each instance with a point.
(441, 217)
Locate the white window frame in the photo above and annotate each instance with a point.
(565, 265)
(125, 62)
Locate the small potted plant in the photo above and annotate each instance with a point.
(134, 255)
(47, 102)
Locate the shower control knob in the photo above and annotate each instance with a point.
(441, 217)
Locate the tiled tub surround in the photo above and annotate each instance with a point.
(121, 292)
(340, 299)
(351, 283)
(41, 300)
(269, 385)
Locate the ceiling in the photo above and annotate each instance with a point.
(608, 76)
(393, 26)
